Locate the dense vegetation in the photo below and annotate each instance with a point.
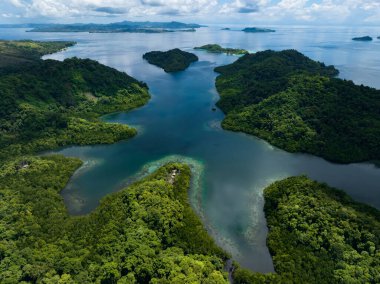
(148, 232)
(22, 52)
(296, 104)
(46, 104)
(318, 234)
(216, 48)
(258, 30)
(172, 60)
(145, 233)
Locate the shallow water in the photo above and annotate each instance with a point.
(178, 124)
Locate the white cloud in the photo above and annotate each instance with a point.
(72, 8)
(257, 11)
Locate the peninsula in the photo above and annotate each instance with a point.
(216, 48)
(173, 60)
(47, 104)
(16, 53)
(258, 30)
(146, 233)
(296, 104)
(119, 27)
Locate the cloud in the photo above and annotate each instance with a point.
(110, 10)
(314, 11)
(170, 12)
(246, 10)
(235, 11)
(153, 3)
(131, 8)
(242, 6)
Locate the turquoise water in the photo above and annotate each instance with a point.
(231, 169)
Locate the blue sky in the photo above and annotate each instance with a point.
(259, 12)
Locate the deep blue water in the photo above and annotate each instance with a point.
(231, 168)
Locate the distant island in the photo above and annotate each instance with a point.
(363, 38)
(119, 27)
(304, 109)
(216, 48)
(172, 60)
(226, 29)
(257, 30)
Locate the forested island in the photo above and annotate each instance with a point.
(297, 104)
(216, 48)
(119, 27)
(318, 234)
(363, 38)
(47, 104)
(258, 30)
(173, 60)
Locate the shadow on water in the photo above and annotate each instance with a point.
(231, 169)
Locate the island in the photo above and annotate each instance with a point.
(216, 48)
(119, 27)
(258, 30)
(48, 104)
(317, 234)
(298, 105)
(225, 29)
(364, 38)
(173, 60)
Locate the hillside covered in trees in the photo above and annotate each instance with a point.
(295, 103)
(318, 234)
(145, 233)
(148, 232)
(47, 103)
(13, 53)
(173, 60)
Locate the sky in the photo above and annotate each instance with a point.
(259, 12)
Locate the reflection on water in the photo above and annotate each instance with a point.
(232, 168)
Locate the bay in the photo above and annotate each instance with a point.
(230, 169)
